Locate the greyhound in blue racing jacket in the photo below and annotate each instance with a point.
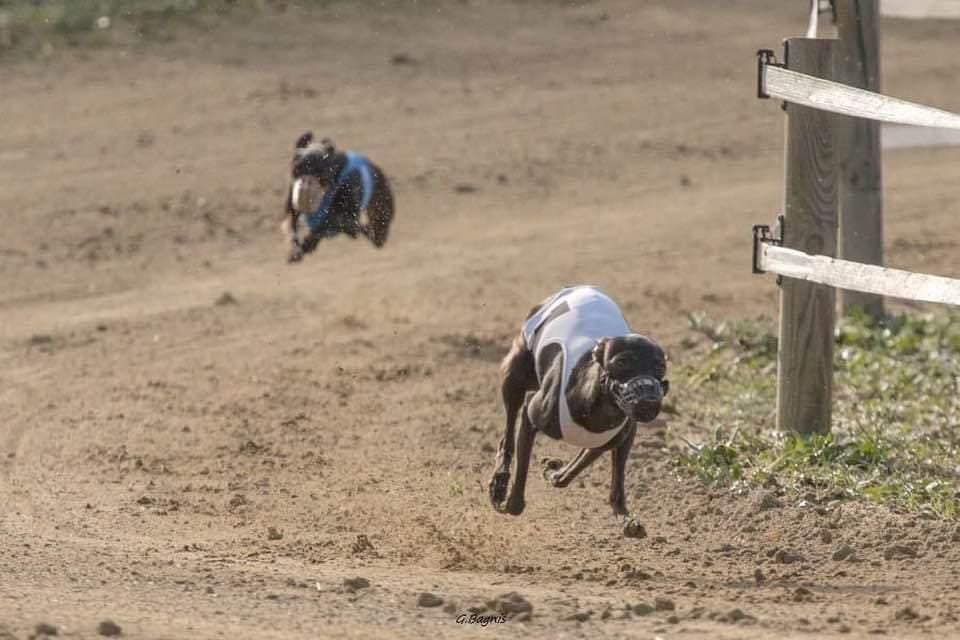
(329, 192)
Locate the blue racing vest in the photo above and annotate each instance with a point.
(355, 163)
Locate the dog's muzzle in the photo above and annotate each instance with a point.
(639, 398)
(306, 194)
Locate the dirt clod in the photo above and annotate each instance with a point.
(899, 552)
(907, 614)
(787, 556)
(768, 501)
(274, 534)
(843, 552)
(634, 529)
(354, 584)
(45, 629)
(642, 609)
(664, 604)
(109, 628)
(427, 599)
(511, 605)
(225, 298)
(802, 594)
(735, 615)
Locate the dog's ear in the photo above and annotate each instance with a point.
(304, 140)
(328, 146)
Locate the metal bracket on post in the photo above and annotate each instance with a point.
(766, 58)
(763, 235)
(831, 8)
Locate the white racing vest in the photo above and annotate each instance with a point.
(575, 318)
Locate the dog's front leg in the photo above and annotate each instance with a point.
(289, 230)
(621, 452)
(566, 474)
(525, 437)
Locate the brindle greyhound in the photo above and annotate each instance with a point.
(331, 190)
(576, 373)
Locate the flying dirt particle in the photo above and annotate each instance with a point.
(844, 552)
(607, 614)
(237, 501)
(274, 534)
(664, 604)
(145, 139)
(881, 601)
(660, 540)
(673, 619)
(101, 327)
(826, 536)
(225, 298)
(768, 501)
(843, 629)
(464, 187)
(451, 608)
(685, 181)
(41, 338)
(502, 179)
(642, 609)
(144, 500)
(427, 599)
(634, 529)
(400, 59)
(758, 576)
(580, 616)
(354, 584)
(44, 629)
(899, 552)
(109, 628)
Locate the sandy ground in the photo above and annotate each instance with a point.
(189, 469)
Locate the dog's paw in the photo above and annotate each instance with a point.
(515, 506)
(550, 468)
(310, 243)
(498, 488)
(295, 254)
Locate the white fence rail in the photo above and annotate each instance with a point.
(806, 90)
(855, 276)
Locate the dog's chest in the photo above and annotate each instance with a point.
(568, 326)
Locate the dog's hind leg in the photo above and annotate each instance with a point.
(379, 214)
(621, 452)
(519, 376)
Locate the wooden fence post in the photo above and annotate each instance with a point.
(860, 190)
(808, 310)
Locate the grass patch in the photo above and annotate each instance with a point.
(895, 412)
(30, 25)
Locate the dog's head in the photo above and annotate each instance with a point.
(312, 171)
(634, 370)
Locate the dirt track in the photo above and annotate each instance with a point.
(150, 438)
